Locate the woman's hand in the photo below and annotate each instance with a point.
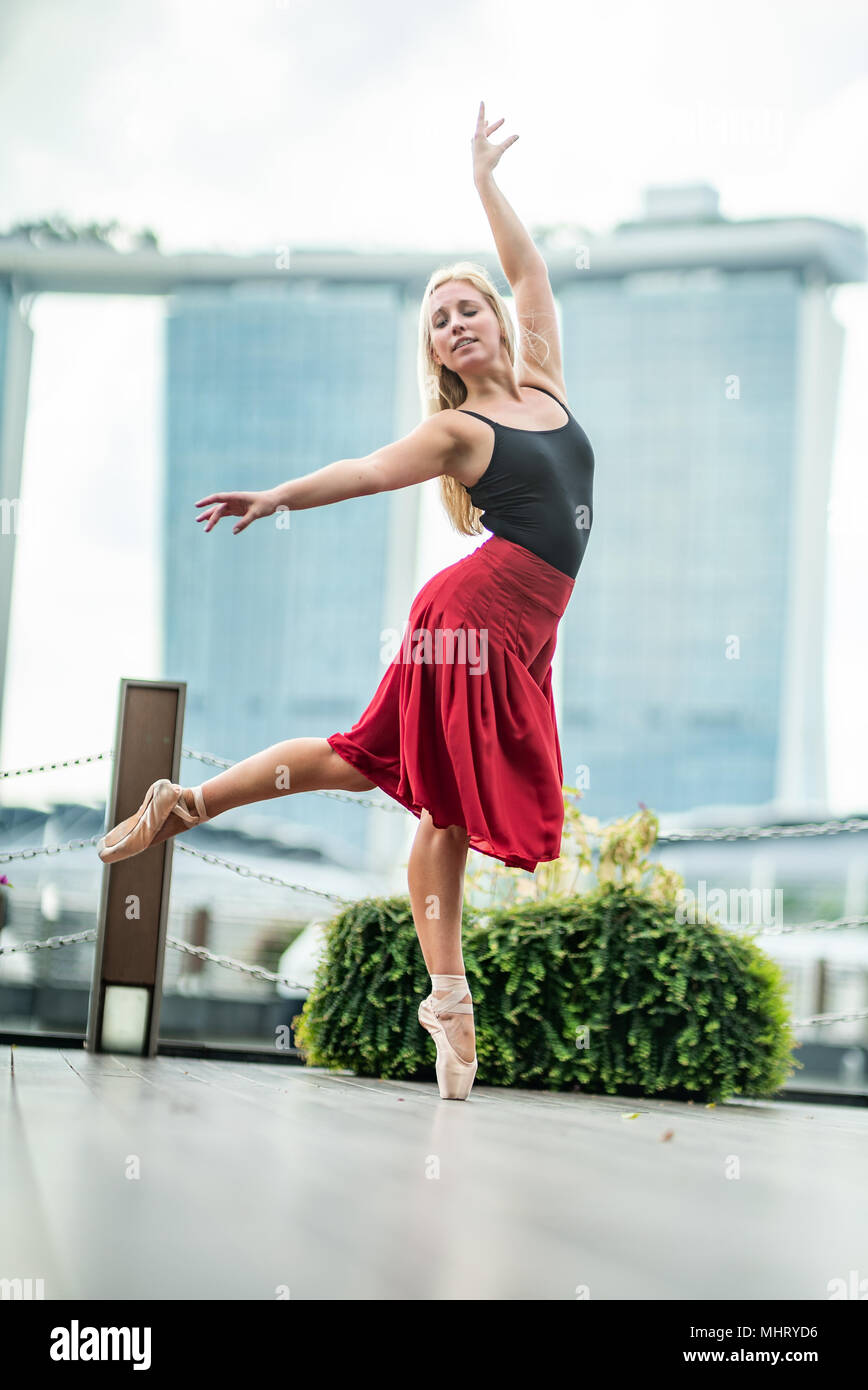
(485, 152)
(250, 506)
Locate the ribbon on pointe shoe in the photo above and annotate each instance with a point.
(191, 817)
(450, 1003)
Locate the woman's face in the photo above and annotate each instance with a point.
(458, 312)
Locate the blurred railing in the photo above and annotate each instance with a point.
(196, 969)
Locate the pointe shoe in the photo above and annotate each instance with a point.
(162, 799)
(454, 1075)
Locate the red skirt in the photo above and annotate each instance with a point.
(462, 724)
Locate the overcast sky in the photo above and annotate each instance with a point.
(244, 126)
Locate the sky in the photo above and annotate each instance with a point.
(248, 126)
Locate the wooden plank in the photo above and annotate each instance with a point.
(253, 1176)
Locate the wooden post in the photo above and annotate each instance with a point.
(126, 991)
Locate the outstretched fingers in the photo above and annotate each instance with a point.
(213, 515)
(483, 131)
(220, 504)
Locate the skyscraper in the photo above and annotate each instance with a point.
(702, 357)
(16, 349)
(277, 630)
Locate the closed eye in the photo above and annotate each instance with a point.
(469, 314)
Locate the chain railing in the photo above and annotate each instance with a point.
(50, 767)
(51, 943)
(765, 832)
(832, 826)
(229, 963)
(7, 856)
(245, 871)
(259, 973)
(75, 938)
(775, 930)
(827, 827)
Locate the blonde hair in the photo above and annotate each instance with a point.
(442, 389)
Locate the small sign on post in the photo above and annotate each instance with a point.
(126, 992)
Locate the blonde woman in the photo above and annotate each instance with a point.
(461, 730)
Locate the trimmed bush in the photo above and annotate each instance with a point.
(605, 991)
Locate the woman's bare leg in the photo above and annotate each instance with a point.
(435, 875)
(296, 765)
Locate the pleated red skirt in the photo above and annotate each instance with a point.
(463, 722)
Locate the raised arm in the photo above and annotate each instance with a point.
(522, 264)
(431, 449)
(516, 251)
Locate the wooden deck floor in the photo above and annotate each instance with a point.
(256, 1176)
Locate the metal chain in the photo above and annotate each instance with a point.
(49, 767)
(6, 855)
(52, 942)
(763, 832)
(829, 1018)
(753, 832)
(246, 872)
(228, 963)
(797, 926)
(241, 869)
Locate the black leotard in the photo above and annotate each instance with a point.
(538, 489)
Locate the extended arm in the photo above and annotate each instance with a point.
(516, 251)
(426, 452)
(429, 450)
(523, 265)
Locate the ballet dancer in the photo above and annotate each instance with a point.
(470, 747)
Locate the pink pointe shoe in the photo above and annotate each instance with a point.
(136, 833)
(454, 1075)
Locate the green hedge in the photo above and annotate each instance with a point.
(668, 1008)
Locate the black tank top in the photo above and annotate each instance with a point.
(538, 489)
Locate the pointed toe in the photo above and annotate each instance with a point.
(455, 1076)
(135, 834)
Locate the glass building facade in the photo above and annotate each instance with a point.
(673, 644)
(277, 629)
(5, 299)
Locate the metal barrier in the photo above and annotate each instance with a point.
(826, 827)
